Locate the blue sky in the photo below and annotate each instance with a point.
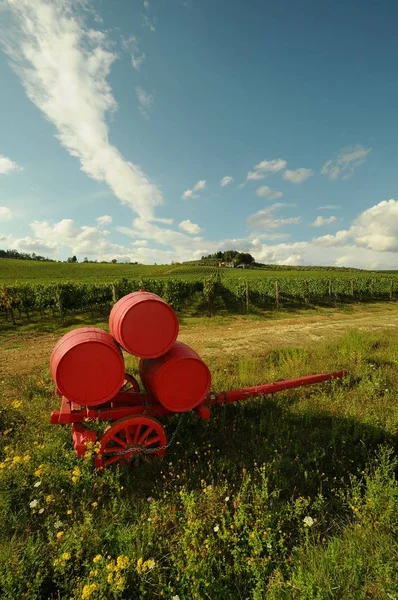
(153, 130)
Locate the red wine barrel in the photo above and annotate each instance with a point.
(144, 324)
(179, 380)
(87, 366)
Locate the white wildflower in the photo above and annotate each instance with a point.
(216, 528)
(37, 484)
(41, 511)
(58, 524)
(226, 498)
(308, 521)
(34, 503)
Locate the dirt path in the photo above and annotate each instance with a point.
(23, 354)
(244, 336)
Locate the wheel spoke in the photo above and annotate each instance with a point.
(129, 437)
(117, 439)
(144, 435)
(151, 441)
(136, 433)
(113, 459)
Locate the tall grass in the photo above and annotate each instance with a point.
(292, 496)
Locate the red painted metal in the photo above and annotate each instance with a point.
(271, 388)
(81, 437)
(179, 380)
(87, 366)
(129, 438)
(144, 324)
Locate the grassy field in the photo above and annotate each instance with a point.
(285, 497)
(27, 271)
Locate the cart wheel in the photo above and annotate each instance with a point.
(130, 384)
(130, 439)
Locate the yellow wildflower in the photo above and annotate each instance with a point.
(97, 558)
(88, 589)
(110, 578)
(60, 535)
(122, 562)
(17, 459)
(49, 498)
(94, 504)
(139, 565)
(119, 583)
(65, 556)
(69, 512)
(16, 404)
(39, 471)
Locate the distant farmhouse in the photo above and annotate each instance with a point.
(231, 265)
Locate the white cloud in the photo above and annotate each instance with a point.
(140, 243)
(146, 4)
(29, 244)
(5, 213)
(73, 92)
(265, 219)
(85, 240)
(145, 102)
(198, 187)
(297, 176)
(271, 166)
(7, 165)
(266, 192)
(292, 260)
(190, 227)
(348, 159)
(321, 221)
(255, 175)
(226, 180)
(329, 207)
(375, 229)
(137, 61)
(266, 167)
(105, 220)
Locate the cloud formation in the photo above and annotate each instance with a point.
(5, 213)
(190, 227)
(7, 165)
(321, 221)
(226, 180)
(73, 92)
(266, 167)
(266, 192)
(265, 218)
(145, 102)
(346, 162)
(104, 220)
(297, 176)
(193, 193)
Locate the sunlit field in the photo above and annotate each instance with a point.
(292, 496)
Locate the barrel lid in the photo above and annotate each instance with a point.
(149, 328)
(90, 372)
(183, 384)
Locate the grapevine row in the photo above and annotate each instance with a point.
(62, 298)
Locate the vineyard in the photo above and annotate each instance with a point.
(213, 291)
(13, 271)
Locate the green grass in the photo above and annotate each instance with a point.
(27, 271)
(285, 497)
